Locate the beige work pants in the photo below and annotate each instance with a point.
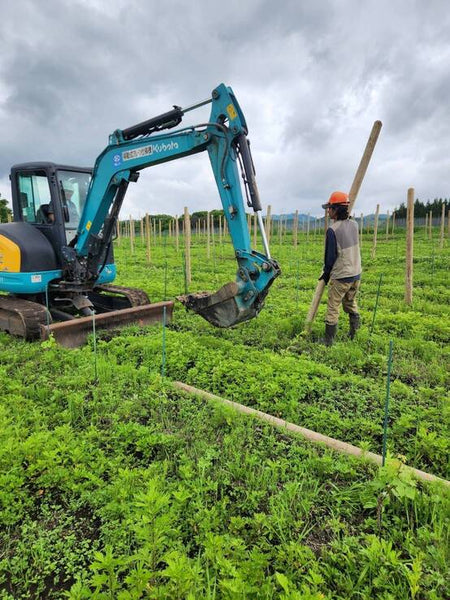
(340, 292)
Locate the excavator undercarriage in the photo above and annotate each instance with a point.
(111, 307)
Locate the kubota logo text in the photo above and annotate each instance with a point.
(148, 150)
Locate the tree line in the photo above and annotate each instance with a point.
(421, 209)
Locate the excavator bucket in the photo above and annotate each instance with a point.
(73, 333)
(223, 308)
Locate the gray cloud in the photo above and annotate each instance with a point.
(311, 78)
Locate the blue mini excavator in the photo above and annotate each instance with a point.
(56, 257)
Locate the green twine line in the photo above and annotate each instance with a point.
(386, 404)
(95, 346)
(163, 363)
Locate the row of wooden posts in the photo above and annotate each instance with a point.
(151, 228)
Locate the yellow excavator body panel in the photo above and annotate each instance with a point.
(9, 255)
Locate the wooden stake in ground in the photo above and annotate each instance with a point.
(208, 237)
(375, 232)
(147, 238)
(118, 232)
(295, 229)
(441, 241)
(131, 235)
(357, 181)
(187, 244)
(409, 247)
(426, 226)
(430, 225)
(393, 224)
(177, 233)
(268, 219)
(387, 225)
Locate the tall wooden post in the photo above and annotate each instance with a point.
(426, 226)
(141, 223)
(268, 220)
(430, 225)
(375, 232)
(177, 233)
(393, 224)
(307, 229)
(131, 235)
(295, 229)
(387, 225)
(118, 232)
(409, 247)
(208, 236)
(187, 244)
(441, 241)
(147, 237)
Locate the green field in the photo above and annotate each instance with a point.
(114, 484)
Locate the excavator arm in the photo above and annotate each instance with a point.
(131, 150)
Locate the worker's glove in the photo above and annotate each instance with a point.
(325, 277)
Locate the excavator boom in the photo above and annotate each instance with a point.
(224, 137)
(62, 269)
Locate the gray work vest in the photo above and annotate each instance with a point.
(348, 262)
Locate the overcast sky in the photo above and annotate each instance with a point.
(310, 76)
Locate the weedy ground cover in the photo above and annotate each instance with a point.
(118, 486)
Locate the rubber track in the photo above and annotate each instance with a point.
(27, 317)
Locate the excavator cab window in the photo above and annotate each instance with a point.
(34, 195)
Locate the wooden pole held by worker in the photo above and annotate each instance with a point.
(362, 168)
(409, 247)
(357, 181)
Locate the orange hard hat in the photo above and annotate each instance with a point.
(337, 198)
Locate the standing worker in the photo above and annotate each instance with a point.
(342, 266)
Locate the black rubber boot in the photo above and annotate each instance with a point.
(330, 334)
(355, 324)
